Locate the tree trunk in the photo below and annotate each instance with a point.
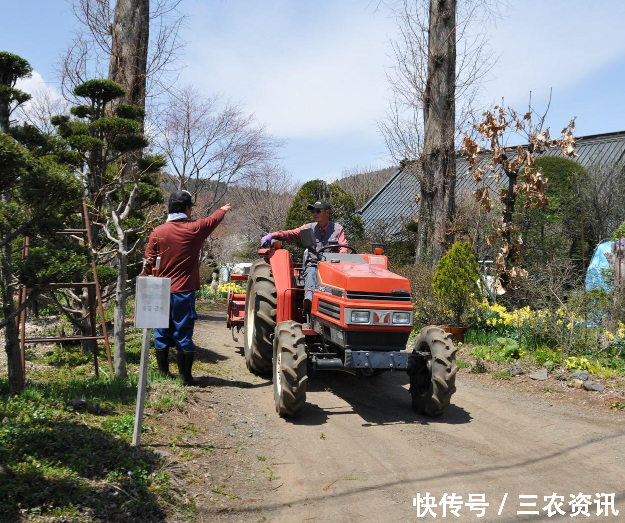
(511, 256)
(4, 117)
(439, 115)
(129, 50)
(119, 320)
(128, 67)
(12, 342)
(426, 219)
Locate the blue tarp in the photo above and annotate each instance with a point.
(596, 273)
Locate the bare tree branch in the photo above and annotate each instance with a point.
(403, 124)
(210, 144)
(88, 53)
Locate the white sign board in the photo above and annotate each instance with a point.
(152, 302)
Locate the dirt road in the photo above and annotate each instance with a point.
(358, 453)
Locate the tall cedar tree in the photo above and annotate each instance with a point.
(554, 233)
(129, 50)
(37, 194)
(438, 185)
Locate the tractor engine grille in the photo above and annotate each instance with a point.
(330, 309)
(382, 296)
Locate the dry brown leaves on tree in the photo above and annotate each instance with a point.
(518, 163)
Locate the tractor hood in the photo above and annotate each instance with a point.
(362, 277)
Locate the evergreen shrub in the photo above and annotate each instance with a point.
(455, 281)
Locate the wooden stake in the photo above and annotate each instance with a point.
(142, 387)
(94, 334)
(22, 298)
(98, 293)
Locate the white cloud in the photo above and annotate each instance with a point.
(312, 69)
(553, 44)
(36, 86)
(33, 84)
(303, 77)
(46, 102)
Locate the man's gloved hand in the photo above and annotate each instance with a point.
(266, 239)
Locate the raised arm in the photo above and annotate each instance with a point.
(210, 223)
(291, 235)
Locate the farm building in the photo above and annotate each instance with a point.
(394, 204)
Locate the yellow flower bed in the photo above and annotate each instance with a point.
(231, 286)
(595, 367)
(495, 315)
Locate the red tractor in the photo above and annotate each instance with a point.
(359, 322)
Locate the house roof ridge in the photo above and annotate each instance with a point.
(386, 184)
(393, 200)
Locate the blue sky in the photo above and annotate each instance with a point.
(313, 71)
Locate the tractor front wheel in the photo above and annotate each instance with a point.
(433, 377)
(260, 318)
(289, 368)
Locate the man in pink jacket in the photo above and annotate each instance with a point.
(325, 231)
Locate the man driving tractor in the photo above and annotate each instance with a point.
(326, 233)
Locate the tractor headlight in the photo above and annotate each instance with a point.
(401, 318)
(360, 316)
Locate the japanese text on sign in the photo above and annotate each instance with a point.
(152, 302)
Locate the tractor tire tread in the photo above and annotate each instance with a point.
(442, 384)
(261, 289)
(291, 343)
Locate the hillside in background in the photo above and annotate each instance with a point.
(363, 183)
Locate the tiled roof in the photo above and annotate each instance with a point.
(394, 203)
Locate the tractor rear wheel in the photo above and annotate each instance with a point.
(433, 379)
(260, 318)
(289, 368)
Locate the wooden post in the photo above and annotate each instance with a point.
(142, 387)
(98, 293)
(23, 296)
(619, 256)
(94, 333)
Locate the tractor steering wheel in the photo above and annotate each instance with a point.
(336, 246)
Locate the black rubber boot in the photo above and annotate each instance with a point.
(188, 365)
(185, 364)
(180, 359)
(162, 358)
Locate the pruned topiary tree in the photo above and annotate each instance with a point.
(121, 183)
(37, 195)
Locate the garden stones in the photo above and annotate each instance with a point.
(592, 386)
(540, 375)
(576, 384)
(516, 370)
(579, 375)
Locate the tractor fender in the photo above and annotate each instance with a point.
(282, 269)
